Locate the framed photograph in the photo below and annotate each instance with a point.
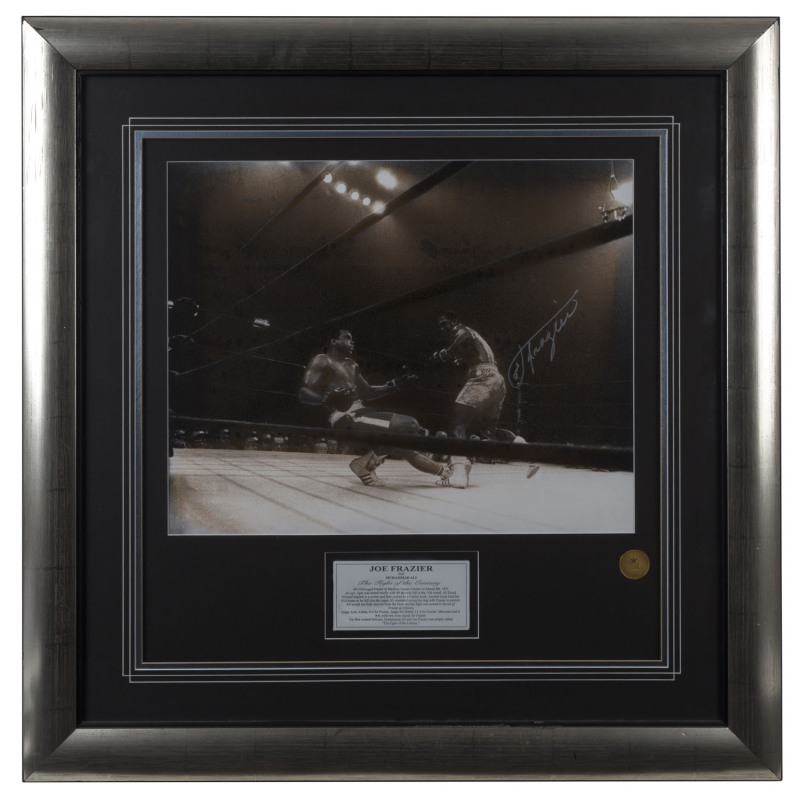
(402, 399)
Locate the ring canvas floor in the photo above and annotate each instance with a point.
(281, 493)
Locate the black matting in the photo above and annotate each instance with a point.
(214, 599)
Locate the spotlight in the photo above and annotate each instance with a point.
(367, 201)
(378, 207)
(328, 178)
(386, 178)
(624, 194)
(341, 187)
(354, 195)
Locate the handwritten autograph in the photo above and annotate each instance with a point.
(537, 342)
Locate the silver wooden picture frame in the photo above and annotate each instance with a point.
(56, 51)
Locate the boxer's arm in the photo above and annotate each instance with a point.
(455, 350)
(368, 392)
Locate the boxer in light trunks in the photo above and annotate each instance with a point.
(480, 401)
(333, 380)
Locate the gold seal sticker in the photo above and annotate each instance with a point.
(634, 564)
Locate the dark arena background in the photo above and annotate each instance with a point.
(269, 259)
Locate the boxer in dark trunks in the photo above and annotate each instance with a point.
(333, 380)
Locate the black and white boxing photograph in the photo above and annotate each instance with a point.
(401, 347)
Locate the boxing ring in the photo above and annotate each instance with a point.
(276, 280)
(287, 493)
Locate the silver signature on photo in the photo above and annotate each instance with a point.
(537, 342)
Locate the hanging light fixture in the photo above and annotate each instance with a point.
(617, 205)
